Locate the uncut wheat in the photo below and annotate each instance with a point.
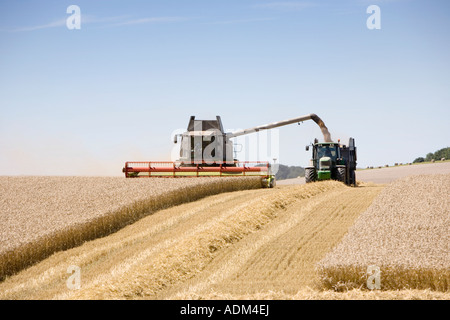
(41, 215)
(405, 233)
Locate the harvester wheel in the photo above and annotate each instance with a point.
(272, 183)
(341, 174)
(310, 175)
(268, 182)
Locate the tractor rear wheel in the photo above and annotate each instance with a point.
(310, 175)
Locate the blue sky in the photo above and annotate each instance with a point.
(82, 102)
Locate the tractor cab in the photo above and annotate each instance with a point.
(327, 150)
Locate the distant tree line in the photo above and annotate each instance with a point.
(438, 155)
(289, 172)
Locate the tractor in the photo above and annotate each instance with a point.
(331, 160)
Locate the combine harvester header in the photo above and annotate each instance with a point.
(207, 151)
(175, 169)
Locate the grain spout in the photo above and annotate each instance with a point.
(323, 127)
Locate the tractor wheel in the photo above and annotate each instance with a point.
(340, 176)
(352, 178)
(310, 175)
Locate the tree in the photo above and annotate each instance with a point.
(438, 155)
(442, 153)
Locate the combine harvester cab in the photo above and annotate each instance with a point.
(207, 151)
(331, 160)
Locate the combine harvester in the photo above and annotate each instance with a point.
(207, 151)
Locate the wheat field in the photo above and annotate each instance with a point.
(204, 246)
(42, 215)
(405, 233)
(252, 244)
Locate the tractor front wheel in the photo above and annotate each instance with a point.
(310, 175)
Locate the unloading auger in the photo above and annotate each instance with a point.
(207, 151)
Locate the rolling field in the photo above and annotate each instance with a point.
(257, 244)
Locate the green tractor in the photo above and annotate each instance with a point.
(331, 160)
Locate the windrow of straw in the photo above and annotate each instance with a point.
(43, 215)
(405, 234)
(188, 255)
